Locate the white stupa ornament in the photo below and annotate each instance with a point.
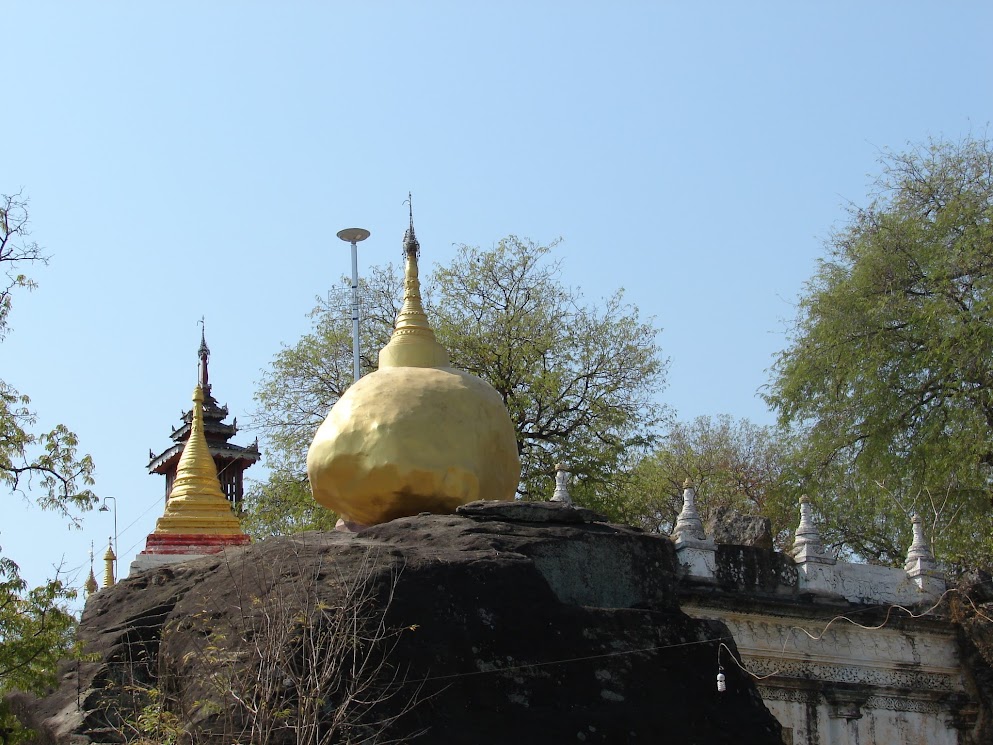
(807, 540)
(561, 493)
(919, 555)
(688, 524)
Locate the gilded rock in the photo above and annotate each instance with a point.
(406, 440)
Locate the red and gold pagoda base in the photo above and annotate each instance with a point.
(169, 548)
(178, 543)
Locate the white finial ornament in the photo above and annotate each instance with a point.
(689, 524)
(919, 555)
(696, 553)
(807, 540)
(561, 493)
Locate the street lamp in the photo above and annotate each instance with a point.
(353, 236)
(105, 508)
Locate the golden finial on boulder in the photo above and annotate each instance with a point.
(413, 343)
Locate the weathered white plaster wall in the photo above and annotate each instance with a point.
(863, 583)
(849, 686)
(813, 724)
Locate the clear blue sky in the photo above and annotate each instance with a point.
(189, 159)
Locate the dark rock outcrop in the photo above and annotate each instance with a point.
(484, 627)
(729, 526)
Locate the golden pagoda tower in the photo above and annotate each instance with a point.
(231, 459)
(416, 435)
(91, 586)
(108, 564)
(198, 519)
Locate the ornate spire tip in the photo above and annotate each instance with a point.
(204, 349)
(411, 248)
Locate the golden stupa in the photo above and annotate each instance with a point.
(108, 565)
(198, 520)
(91, 585)
(416, 435)
(197, 505)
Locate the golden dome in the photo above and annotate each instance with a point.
(416, 435)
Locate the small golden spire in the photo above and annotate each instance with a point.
(196, 503)
(413, 343)
(91, 582)
(196, 474)
(108, 564)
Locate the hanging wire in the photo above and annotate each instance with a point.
(569, 660)
(156, 501)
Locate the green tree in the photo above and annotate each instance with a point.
(888, 374)
(580, 380)
(46, 463)
(35, 628)
(731, 463)
(36, 631)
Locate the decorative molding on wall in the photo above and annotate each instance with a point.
(849, 673)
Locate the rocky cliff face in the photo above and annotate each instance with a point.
(508, 623)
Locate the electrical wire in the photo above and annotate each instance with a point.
(155, 501)
(569, 660)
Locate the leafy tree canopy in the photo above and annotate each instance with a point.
(731, 463)
(580, 380)
(889, 370)
(44, 463)
(36, 630)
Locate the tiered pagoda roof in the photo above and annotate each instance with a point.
(231, 459)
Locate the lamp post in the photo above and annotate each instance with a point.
(353, 236)
(105, 508)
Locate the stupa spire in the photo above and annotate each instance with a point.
(919, 555)
(409, 239)
(413, 343)
(688, 522)
(108, 564)
(561, 493)
(197, 505)
(91, 581)
(204, 352)
(807, 539)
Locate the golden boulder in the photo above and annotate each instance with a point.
(405, 440)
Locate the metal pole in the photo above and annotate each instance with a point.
(356, 368)
(353, 236)
(103, 508)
